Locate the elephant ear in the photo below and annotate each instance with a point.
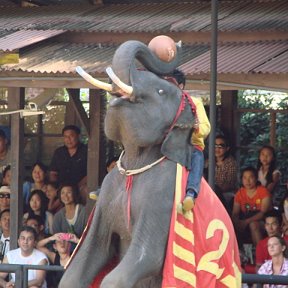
(177, 144)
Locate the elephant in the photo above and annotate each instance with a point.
(142, 122)
(134, 223)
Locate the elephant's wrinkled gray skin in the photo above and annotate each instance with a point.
(141, 124)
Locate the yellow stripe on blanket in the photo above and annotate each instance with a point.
(184, 232)
(184, 254)
(184, 275)
(178, 186)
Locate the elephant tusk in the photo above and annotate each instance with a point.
(126, 88)
(93, 81)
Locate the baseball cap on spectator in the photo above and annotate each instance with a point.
(5, 190)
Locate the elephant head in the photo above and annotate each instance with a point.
(143, 103)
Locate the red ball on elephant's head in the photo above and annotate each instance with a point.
(164, 47)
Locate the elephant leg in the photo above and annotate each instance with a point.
(93, 255)
(138, 263)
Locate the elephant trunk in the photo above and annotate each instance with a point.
(124, 61)
(124, 66)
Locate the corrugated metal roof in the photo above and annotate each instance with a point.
(165, 17)
(278, 64)
(258, 57)
(42, 18)
(7, 3)
(16, 40)
(239, 58)
(63, 58)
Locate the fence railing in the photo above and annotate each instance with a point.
(264, 279)
(21, 272)
(21, 276)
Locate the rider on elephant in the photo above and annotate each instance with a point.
(200, 133)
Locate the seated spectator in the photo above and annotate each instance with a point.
(6, 180)
(5, 235)
(278, 265)
(5, 152)
(38, 204)
(284, 208)
(26, 254)
(69, 162)
(54, 204)
(4, 198)
(268, 175)
(111, 163)
(250, 203)
(61, 254)
(225, 171)
(39, 173)
(36, 222)
(72, 218)
(273, 227)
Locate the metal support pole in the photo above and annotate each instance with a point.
(213, 91)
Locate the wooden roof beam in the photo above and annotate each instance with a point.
(185, 37)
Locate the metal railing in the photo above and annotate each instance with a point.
(21, 271)
(264, 279)
(21, 276)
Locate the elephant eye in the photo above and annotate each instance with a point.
(161, 92)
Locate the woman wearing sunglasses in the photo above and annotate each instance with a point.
(4, 198)
(225, 171)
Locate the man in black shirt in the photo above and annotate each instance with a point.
(69, 162)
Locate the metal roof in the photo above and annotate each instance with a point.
(7, 3)
(10, 41)
(165, 17)
(278, 64)
(241, 58)
(256, 57)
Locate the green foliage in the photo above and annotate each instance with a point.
(255, 126)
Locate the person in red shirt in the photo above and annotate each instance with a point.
(250, 203)
(272, 227)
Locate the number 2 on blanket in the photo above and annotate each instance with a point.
(205, 262)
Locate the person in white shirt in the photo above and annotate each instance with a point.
(26, 254)
(5, 235)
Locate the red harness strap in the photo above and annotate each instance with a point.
(181, 107)
(129, 185)
(129, 178)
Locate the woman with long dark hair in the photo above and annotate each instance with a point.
(38, 205)
(268, 174)
(72, 218)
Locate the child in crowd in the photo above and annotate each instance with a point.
(38, 205)
(111, 163)
(36, 222)
(250, 203)
(200, 133)
(60, 255)
(54, 204)
(6, 174)
(268, 175)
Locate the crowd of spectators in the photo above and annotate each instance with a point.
(55, 216)
(257, 219)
